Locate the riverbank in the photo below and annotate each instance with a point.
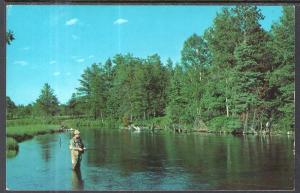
(91, 123)
(23, 132)
(222, 132)
(18, 133)
(162, 124)
(11, 144)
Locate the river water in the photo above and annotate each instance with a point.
(126, 160)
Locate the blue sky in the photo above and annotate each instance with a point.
(54, 44)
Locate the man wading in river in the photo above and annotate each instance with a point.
(77, 149)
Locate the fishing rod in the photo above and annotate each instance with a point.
(90, 148)
(72, 130)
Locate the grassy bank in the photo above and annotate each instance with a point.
(91, 123)
(21, 129)
(23, 132)
(11, 144)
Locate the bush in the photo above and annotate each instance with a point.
(125, 121)
(158, 122)
(285, 124)
(26, 121)
(55, 120)
(224, 124)
(91, 123)
(11, 144)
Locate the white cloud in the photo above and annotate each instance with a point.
(80, 60)
(21, 62)
(52, 62)
(72, 21)
(75, 37)
(120, 21)
(91, 56)
(56, 73)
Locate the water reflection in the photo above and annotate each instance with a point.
(46, 146)
(122, 160)
(77, 182)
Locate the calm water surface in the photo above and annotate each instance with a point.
(125, 160)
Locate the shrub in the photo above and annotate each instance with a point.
(125, 121)
(225, 124)
(91, 123)
(11, 144)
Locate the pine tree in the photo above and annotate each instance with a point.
(281, 77)
(11, 108)
(253, 60)
(92, 91)
(47, 103)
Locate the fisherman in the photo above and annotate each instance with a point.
(77, 149)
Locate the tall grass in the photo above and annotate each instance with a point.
(21, 129)
(92, 123)
(22, 132)
(57, 120)
(11, 144)
(26, 121)
(158, 122)
(18, 130)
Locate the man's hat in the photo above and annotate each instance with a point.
(76, 132)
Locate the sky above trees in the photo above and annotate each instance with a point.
(54, 44)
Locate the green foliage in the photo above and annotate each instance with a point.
(125, 121)
(22, 132)
(92, 91)
(25, 121)
(47, 103)
(235, 75)
(9, 37)
(92, 123)
(11, 144)
(282, 76)
(10, 108)
(225, 124)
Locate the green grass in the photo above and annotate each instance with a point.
(224, 124)
(11, 153)
(25, 121)
(18, 130)
(11, 144)
(22, 132)
(12, 147)
(57, 120)
(91, 123)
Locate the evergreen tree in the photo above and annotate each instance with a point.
(92, 91)
(47, 102)
(196, 59)
(253, 60)
(10, 108)
(177, 100)
(222, 39)
(281, 77)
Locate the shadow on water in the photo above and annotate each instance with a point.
(77, 182)
(46, 143)
(122, 160)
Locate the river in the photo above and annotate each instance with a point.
(126, 160)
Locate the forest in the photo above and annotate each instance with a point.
(236, 75)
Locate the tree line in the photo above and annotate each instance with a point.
(235, 75)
